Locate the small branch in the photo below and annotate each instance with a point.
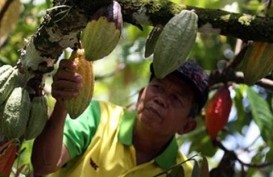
(237, 77)
(166, 171)
(238, 59)
(221, 146)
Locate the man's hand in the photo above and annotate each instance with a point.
(66, 83)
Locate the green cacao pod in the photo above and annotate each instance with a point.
(151, 41)
(257, 62)
(77, 105)
(15, 113)
(102, 32)
(217, 111)
(8, 80)
(37, 118)
(4, 68)
(174, 43)
(6, 71)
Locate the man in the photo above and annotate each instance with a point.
(110, 141)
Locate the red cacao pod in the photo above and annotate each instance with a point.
(8, 153)
(217, 111)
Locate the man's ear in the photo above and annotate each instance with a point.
(189, 126)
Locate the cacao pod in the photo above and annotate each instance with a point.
(15, 113)
(6, 71)
(37, 118)
(8, 153)
(174, 43)
(217, 111)
(151, 41)
(257, 62)
(4, 68)
(78, 104)
(8, 80)
(102, 32)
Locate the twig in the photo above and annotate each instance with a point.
(164, 172)
(262, 165)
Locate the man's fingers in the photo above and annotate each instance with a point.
(67, 65)
(65, 89)
(64, 95)
(66, 85)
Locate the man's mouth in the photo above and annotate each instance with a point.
(154, 111)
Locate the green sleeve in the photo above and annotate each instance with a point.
(79, 132)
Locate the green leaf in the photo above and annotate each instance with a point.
(242, 118)
(261, 113)
(269, 154)
(200, 142)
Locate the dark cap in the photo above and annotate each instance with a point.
(195, 76)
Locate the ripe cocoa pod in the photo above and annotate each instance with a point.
(151, 41)
(258, 62)
(217, 111)
(77, 105)
(38, 117)
(102, 32)
(15, 113)
(175, 43)
(8, 80)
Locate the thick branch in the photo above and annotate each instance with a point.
(243, 26)
(59, 30)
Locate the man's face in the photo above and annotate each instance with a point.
(164, 106)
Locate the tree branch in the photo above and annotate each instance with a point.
(243, 26)
(62, 24)
(234, 157)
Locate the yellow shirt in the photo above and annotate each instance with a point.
(111, 152)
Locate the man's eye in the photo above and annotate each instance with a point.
(156, 86)
(178, 99)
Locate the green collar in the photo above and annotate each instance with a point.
(165, 160)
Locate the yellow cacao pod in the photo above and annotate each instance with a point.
(174, 43)
(77, 105)
(14, 118)
(102, 32)
(37, 118)
(257, 62)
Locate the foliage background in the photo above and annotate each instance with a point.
(120, 75)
